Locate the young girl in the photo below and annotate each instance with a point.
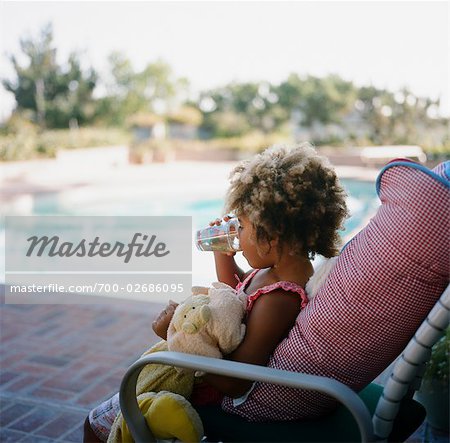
(290, 206)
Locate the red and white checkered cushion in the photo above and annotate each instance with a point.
(384, 283)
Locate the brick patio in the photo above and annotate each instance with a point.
(58, 361)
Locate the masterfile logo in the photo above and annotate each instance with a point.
(63, 243)
(54, 247)
(51, 257)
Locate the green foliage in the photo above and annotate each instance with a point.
(366, 115)
(226, 124)
(27, 142)
(57, 96)
(439, 152)
(327, 111)
(242, 108)
(325, 100)
(131, 92)
(438, 366)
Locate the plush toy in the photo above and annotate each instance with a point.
(168, 415)
(208, 323)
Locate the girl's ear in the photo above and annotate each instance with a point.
(268, 246)
(272, 245)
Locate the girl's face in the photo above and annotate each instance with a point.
(258, 258)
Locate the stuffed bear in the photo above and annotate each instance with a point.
(207, 323)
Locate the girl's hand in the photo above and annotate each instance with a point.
(218, 222)
(161, 324)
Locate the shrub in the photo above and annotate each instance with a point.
(25, 143)
(438, 365)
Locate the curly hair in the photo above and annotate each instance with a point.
(293, 194)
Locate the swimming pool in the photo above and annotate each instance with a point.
(362, 199)
(362, 202)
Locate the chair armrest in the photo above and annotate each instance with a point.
(138, 426)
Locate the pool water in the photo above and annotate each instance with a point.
(362, 202)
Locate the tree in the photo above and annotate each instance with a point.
(237, 106)
(55, 95)
(267, 108)
(396, 118)
(320, 100)
(153, 89)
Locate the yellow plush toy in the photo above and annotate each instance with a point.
(208, 323)
(168, 415)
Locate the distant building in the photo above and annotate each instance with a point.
(147, 126)
(184, 124)
(157, 137)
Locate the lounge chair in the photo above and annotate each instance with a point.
(392, 276)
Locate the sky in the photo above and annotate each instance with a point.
(386, 44)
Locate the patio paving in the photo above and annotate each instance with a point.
(58, 361)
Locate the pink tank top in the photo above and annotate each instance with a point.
(285, 285)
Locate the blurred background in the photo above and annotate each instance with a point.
(143, 108)
(218, 76)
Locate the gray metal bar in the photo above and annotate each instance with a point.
(129, 405)
(341, 392)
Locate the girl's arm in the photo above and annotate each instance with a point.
(271, 319)
(227, 269)
(161, 324)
